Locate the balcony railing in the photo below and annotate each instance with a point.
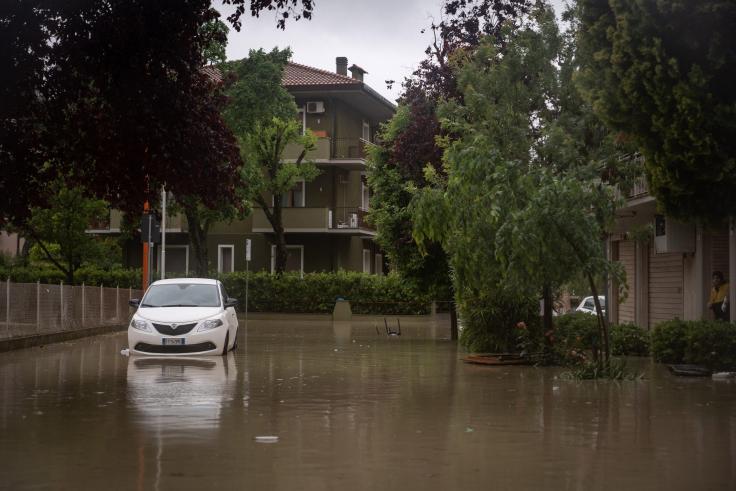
(350, 217)
(315, 219)
(330, 148)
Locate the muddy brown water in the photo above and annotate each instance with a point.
(351, 409)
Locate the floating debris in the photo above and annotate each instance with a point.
(724, 375)
(125, 352)
(267, 439)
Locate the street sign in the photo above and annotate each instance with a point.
(150, 223)
(247, 249)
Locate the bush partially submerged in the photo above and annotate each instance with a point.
(708, 343)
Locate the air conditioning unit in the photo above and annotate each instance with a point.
(315, 107)
(673, 236)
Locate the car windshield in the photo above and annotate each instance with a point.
(182, 295)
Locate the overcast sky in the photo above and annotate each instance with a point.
(381, 36)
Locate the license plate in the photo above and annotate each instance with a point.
(173, 341)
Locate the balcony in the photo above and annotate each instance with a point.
(316, 220)
(331, 149)
(351, 218)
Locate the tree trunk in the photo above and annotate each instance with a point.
(453, 321)
(274, 217)
(198, 240)
(602, 322)
(547, 314)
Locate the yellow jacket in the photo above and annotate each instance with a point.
(718, 294)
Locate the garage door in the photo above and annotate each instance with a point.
(627, 257)
(719, 252)
(665, 287)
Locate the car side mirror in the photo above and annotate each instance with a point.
(134, 302)
(231, 302)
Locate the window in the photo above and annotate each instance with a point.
(225, 258)
(365, 193)
(294, 198)
(294, 258)
(366, 131)
(379, 264)
(177, 260)
(366, 260)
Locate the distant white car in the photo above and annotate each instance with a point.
(183, 316)
(588, 305)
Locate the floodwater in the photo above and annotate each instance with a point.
(348, 407)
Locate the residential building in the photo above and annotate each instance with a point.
(668, 263)
(324, 219)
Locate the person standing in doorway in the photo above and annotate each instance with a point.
(718, 301)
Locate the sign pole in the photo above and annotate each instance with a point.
(163, 232)
(144, 262)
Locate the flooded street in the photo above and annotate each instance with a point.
(350, 409)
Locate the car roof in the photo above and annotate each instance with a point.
(180, 281)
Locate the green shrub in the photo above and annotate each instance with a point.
(628, 339)
(578, 332)
(317, 292)
(708, 343)
(490, 323)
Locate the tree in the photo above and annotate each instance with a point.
(263, 116)
(111, 94)
(268, 175)
(662, 74)
(60, 229)
(516, 216)
(409, 141)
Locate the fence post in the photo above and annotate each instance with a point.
(38, 305)
(102, 305)
(7, 305)
(117, 303)
(61, 305)
(84, 313)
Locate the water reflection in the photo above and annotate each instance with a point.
(181, 393)
(353, 408)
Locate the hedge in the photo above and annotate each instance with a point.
(708, 343)
(317, 292)
(89, 275)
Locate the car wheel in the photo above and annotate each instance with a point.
(227, 341)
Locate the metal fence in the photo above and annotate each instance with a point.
(27, 309)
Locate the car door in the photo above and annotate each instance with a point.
(230, 315)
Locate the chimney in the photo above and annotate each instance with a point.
(357, 72)
(341, 63)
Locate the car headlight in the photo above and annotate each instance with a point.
(210, 324)
(140, 325)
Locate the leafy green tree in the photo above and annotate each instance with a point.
(517, 217)
(262, 114)
(58, 230)
(662, 74)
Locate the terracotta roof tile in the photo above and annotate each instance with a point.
(213, 73)
(301, 75)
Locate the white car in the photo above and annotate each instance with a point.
(588, 305)
(183, 316)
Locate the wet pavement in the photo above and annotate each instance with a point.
(350, 409)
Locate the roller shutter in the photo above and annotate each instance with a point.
(665, 287)
(627, 258)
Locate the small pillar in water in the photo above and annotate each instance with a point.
(342, 310)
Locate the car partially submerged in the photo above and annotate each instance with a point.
(183, 316)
